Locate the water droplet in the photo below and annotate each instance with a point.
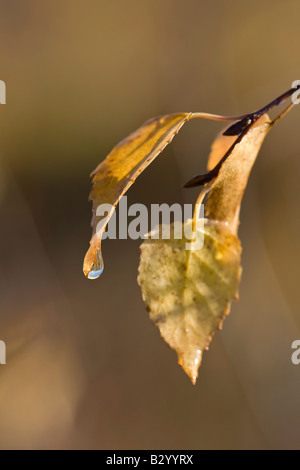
(98, 267)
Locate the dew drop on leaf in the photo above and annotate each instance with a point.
(98, 267)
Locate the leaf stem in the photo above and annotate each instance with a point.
(216, 117)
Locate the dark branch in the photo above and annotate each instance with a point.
(240, 129)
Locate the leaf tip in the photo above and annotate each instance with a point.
(194, 380)
(190, 362)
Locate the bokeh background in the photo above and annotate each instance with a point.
(86, 369)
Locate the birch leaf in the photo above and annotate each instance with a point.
(114, 176)
(188, 293)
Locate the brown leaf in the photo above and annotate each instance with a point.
(226, 191)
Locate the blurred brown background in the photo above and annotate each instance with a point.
(85, 366)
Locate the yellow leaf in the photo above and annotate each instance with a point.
(188, 293)
(114, 176)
